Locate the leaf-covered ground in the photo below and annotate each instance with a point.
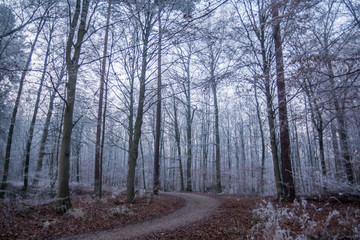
(21, 219)
(247, 217)
(238, 217)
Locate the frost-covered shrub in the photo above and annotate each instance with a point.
(76, 213)
(302, 220)
(123, 210)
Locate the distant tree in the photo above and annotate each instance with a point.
(258, 32)
(36, 107)
(39, 28)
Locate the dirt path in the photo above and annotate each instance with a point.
(196, 208)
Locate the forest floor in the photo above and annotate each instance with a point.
(201, 216)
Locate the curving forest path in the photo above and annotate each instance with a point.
(196, 208)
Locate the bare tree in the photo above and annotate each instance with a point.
(147, 25)
(16, 107)
(98, 166)
(36, 108)
(78, 26)
(286, 170)
(156, 185)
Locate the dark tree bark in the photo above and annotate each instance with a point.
(286, 170)
(156, 182)
(14, 112)
(217, 136)
(36, 108)
(134, 143)
(178, 145)
(72, 57)
(205, 125)
(97, 183)
(262, 181)
(103, 138)
(45, 132)
(188, 138)
(317, 120)
(340, 116)
(258, 26)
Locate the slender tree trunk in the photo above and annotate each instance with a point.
(156, 182)
(243, 156)
(134, 144)
(273, 144)
(14, 113)
(217, 138)
(103, 141)
(178, 145)
(143, 164)
(189, 149)
(188, 136)
(318, 123)
(340, 116)
(288, 181)
(54, 160)
(298, 161)
(335, 145)
(97, 176)
(269, 103)
(262, 182)
(228, 143)
(77, 150)
(45, 132)
(36, 108)
(237, 156)
(73, 51)
(205, 148)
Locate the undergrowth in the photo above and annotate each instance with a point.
(305, 220)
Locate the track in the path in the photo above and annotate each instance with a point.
(197, 207)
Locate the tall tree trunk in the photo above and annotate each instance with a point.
(340, 116)
(36, 108)
(134, 143)
(77, 144)
(156, 182)
(103, 140)
(54, 160)
(73, 51)
(97, 176)
(45, 132)
(178, 146)
(143, 164)
(269, 101)
(286, 170)
(188, 139)
(14, 113)
(243, 156)
(228, 145)
(317, 120)
(217, 137)
(262, 181)
(237, 156)
(298, 161)
(205, 148)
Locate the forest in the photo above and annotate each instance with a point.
(256, 98)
